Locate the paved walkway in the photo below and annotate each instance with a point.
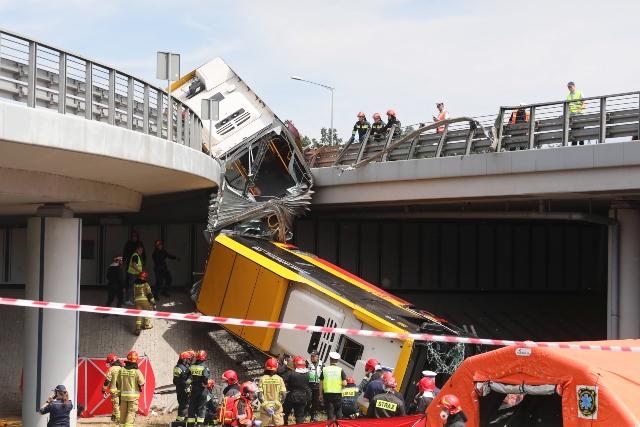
(100, 335)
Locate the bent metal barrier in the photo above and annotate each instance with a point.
(195, 317)
(42, 76)
(606, 118)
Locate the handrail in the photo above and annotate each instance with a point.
(567, 101)
(111, 96)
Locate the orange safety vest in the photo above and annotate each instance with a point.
(442, 116)
(228, 415)
(514, 117)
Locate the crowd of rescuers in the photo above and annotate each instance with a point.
(307, 389)
(379, 129)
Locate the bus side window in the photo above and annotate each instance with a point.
(315, 337)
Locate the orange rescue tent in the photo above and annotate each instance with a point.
(559, 387)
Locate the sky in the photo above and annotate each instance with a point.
(378, 54)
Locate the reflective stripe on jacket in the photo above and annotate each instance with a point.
(332, 379)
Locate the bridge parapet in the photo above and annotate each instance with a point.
(606, 118)
(42, 76)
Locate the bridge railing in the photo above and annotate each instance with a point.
(607, 118)
(42, 76)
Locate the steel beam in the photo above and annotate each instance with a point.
(88, 91)
(443, 137)
(566, 118)
(603, 121)
(500, 130)
(387, 142)
(412, 148)
(111, 113)
(179, 123)
(363, 146)
(129, 102)
(469, 142)
(145, 109)
(159, 114)
(31, 78)
(532, 128)
(62, 83)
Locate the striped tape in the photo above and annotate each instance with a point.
(194, 317)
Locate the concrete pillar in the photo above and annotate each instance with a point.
(625, 297)
(51, 336)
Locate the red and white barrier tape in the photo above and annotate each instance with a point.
(194, 317)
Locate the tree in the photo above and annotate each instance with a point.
(308, 142)
(325, 137)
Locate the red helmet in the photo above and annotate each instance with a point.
(111, 358)
(210, 384)
(248, 388)
(144, 275)
(426, 384)
(389, 380)
(451, 403)
(186, 355)
(299, 362)
(192, 353)
(158, 243)
(370, 366)
(132, 356)
(201, 355)
(361, 114)
(271, 364)
(351, 381)
(391, 112)
(376, 116)
(231, 377)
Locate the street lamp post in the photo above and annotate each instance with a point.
(332, 89)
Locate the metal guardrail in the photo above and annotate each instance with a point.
(42, 76)
(607, 118)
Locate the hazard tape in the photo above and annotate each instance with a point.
(194, 317)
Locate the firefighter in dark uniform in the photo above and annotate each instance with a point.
(199, 379)
(299, 391)
(233, 386)
(388, 404)
(378, 128)
(160, 268)
(212, 407)
(349, 399)
(361, 127)
(391, 121)
(182, 381)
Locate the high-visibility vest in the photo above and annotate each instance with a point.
(129, 382)
(442, 116)
(514, 116)
(135, 267)
(332, 379)
(575, 107)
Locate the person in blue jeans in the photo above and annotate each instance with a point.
(58, 407)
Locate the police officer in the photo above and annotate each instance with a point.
(333, 379)
(130, 384)
(388, 404)
(58, 406)
(271, 393)
(135, 266)
(199, 379)
(160, 268)
(110, 388)
(378, 128)
(182, 381)
(361, 127)
(144, 300)
(299, 392)
(315, 369)
(349, 399)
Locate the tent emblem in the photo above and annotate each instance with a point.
(587, 401)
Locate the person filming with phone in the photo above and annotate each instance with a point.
(58, 407)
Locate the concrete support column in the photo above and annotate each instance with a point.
(624, 274)
(51, 336)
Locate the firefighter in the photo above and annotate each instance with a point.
(212, 406)
(182, 381)
(299, 392)
(109, 387)
(349, 399)
(199, 379)
(315, 369)
(144, 300)
(233, 386)
(161, 270)
(378, 127)
(372, 371)
(271, 393)
(388, 404)
(451, 411)
(426, 393)
(361, 127)
(237, 410)
(393, 122)
(130, 384)
(135, 266)
(333, 379)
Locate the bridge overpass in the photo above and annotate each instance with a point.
(78, 137)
